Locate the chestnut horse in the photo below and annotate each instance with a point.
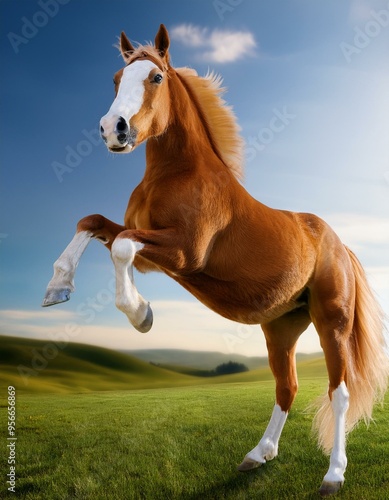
(191, 218)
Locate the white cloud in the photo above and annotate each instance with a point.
(220, 46)
(189, 35)
(31, 315)
(177, 325)
(357, 230)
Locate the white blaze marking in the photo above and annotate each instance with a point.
(129, 98)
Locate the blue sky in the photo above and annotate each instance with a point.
(309, 84)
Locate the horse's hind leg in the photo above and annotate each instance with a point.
(281, 338)
(88, 228)
(332, 313)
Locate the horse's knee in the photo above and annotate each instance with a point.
(91, 223)
(124, 249)
(285, 394)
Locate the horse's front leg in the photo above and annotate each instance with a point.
(88, 228)
(167, 249)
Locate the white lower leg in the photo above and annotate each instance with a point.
(128, 299)
(338, 459)
(62, 282)
(267, 448)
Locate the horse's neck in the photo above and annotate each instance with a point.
(186, 143)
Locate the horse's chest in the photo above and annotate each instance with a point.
(139, 220)
(138, 213)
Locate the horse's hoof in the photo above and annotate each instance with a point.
(56, 296)
(248, 464)
(147, 323)
(328, 488)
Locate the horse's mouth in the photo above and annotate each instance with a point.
(121, 149)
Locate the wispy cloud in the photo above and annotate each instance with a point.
(177, 324)
(31, 315)
(219, 46)
(357, 230)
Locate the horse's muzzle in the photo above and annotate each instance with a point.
(119, 138)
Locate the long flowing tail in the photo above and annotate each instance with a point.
(368, 363)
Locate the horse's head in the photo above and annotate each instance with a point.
(141, 106)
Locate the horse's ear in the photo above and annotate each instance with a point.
(126, 47)
(162, 40)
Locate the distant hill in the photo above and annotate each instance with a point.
(37, 365)
(201, 360)
(41, 366)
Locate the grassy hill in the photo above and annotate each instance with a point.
(36, 366)
(40, 366)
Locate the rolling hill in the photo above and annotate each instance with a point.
(41, 366)
(36, 365)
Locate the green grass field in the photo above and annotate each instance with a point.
(178, 442)
(182, 443)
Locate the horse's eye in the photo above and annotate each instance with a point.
(157, 78)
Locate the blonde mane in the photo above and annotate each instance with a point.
(220, 118)
(222, 125)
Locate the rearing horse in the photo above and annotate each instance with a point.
(191, 219)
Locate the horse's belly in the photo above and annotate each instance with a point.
(248, 303)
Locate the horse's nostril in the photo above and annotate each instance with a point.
(121, 125)
(102, 133)
(122, 138)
